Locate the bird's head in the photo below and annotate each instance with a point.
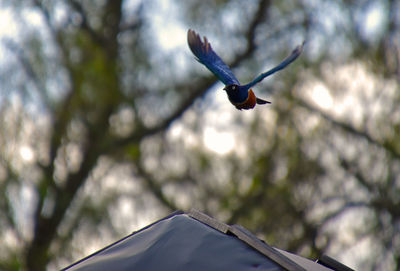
(231, 88)
(236, 93)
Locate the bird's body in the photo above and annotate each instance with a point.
(241, 96)
(249, 103)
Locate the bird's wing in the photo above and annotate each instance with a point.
(292, 57)
(206, 55)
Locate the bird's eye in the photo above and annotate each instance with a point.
(233, 87)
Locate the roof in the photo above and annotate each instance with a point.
(194, 241)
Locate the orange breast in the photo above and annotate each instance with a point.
(249, 103)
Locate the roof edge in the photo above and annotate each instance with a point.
(247, 237)
(177, 212)
(208, 220)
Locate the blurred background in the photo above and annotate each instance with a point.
(108, 123)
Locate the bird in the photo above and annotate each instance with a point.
(241, 96)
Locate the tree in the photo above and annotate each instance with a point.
(111, 128)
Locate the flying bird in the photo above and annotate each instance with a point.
(241, 96)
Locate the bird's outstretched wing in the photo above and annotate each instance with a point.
(206, 55)
(292, 57)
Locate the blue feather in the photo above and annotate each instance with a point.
(292, 57)
(206, 55)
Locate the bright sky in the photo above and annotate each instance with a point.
(8, 28)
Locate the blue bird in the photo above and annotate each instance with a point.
(241, 96)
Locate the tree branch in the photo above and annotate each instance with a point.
(155, 188)
(46, 227)
(142, 132)
(350, 129)
(98, 39)
(258, 18)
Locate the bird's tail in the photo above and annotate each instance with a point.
(261, 101)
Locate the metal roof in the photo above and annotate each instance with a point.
(193, 241)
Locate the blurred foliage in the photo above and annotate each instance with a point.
(103, 129)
